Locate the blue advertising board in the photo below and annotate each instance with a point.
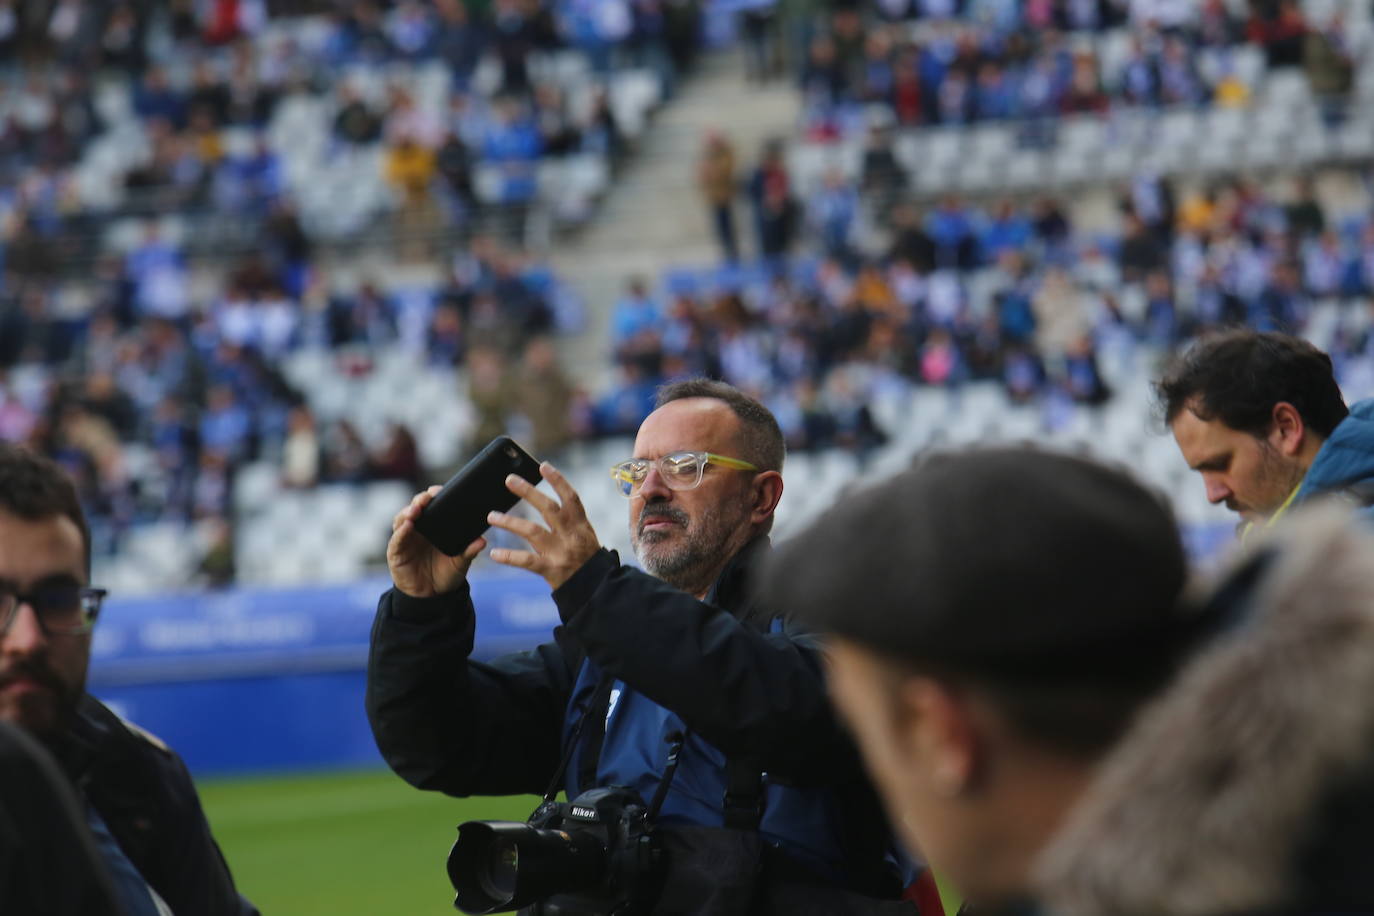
(259, 679)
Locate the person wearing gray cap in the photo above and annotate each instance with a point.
(1056, 719)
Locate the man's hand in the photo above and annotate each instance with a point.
(562, 548)
(418, 568)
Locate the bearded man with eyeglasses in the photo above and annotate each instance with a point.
(766, 809)
(138, 801)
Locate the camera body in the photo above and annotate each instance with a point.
(596, 855)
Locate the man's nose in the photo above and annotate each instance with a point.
(25, 635)
(653, 488)
(1216, 491)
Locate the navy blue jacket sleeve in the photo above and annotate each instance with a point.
(445, 722)
(749, 693)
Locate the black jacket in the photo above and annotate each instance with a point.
(49, 863)
(145, 795)
(750, 690)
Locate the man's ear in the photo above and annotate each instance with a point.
(939, 735)
(766, 492)
(1287, 432)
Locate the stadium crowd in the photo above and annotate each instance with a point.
(956, 292)
(129, 350)
(152, 410)
(1004, 291)
(953, 63)
(204, 82)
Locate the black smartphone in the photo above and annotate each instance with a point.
(457, 515)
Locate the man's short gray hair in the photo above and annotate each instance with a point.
(761, 439)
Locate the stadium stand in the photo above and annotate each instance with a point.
(285, 311)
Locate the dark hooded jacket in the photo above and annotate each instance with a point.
(145, 795)
(1344, 465)
(736, 680)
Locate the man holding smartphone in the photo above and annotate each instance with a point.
(678, 660)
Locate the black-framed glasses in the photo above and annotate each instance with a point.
(679, 470)
(67, 610)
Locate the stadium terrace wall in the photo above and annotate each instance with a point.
(257, 680)
(269, 680)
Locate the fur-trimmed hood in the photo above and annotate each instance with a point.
(1249, 785)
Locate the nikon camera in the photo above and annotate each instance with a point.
(596, 855)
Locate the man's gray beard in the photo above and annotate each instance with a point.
(695, 561)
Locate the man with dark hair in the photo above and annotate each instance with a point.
(1049, 713)
(1261, 418)
(140, 804)
(766, 809)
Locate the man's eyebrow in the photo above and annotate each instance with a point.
(1213, 462)
(58, 580)
(52, 580)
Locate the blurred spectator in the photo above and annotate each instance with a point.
(366, 317)
(1084, 94)
(1279, 26)
(346, 458)
(1304, 215)
(225, 425)
(491, 393)
(881, 177)
(544, 395)
(1140, 250)
(758, 25)
(1330, 69)
(716, 178)
(410, 168)
(399, 457)
(458, 41)
(251, 182)
(512, 143)
(208, 94)
(636, 313)
(1082, 378)
(626, 403)
(301, 450)
(775, 209)
(355, 122)
(158, 274)
(831, 212)
(447, 340)
(154, 99)
(217, 566)
(211, 495)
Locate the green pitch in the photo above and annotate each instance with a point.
(347, 844)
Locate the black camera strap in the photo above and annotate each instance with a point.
(675, 742)
(590, 732)
(594, 734)
(743, 802)
(597, 702)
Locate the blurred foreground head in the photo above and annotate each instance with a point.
(998, 616)
(1048, 715)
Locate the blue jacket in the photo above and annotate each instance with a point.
(1345, 462)
(732, 677)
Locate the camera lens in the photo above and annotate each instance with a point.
(498, 878)
(497, 866)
